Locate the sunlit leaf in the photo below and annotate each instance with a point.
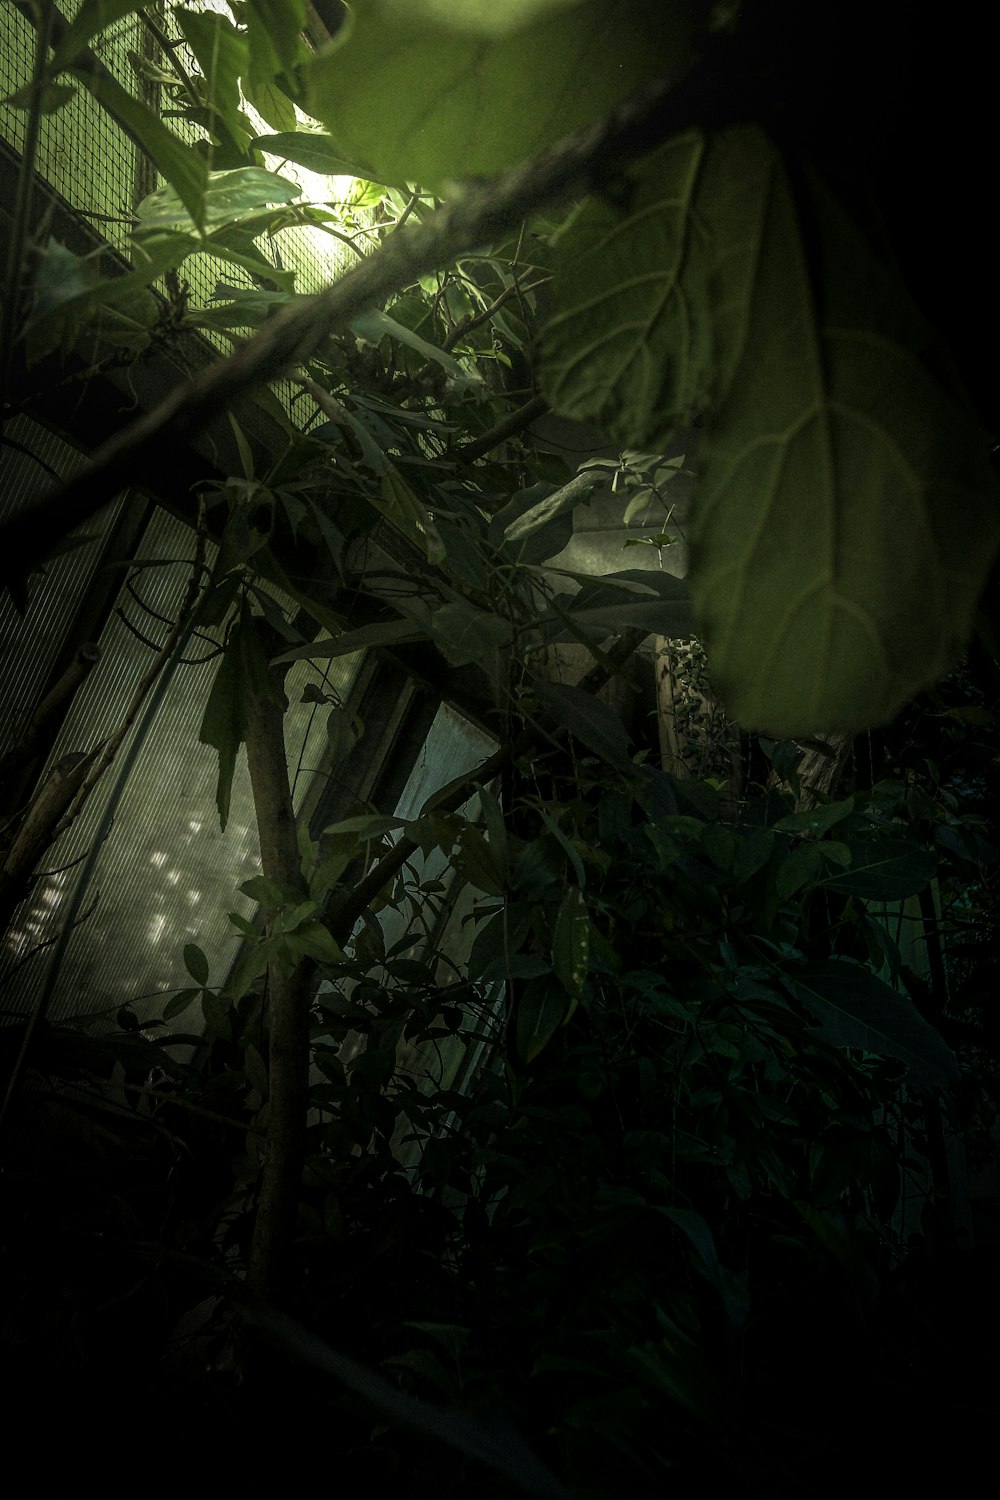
(428, 92)
(307, 148)
(229, 198)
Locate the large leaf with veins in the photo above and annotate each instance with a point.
(436, 90)
(846, 515)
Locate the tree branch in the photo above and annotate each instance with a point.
(478, 216)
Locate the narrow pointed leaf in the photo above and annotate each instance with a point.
(854, 1008)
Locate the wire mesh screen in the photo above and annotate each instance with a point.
(145, 868)
(96, 167)
(32, 459)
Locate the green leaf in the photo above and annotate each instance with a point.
(272, 104)
(883, 870)
(243, 671)
(665, 611)
(70, 292)
(496, 832)
(275, 36)
(229, 198)
(366, 825)
(196, 963)
(92, 17)
(594, 723)
(846, 514)
(183, 168)
(307, 148)
(541, 1010)
(50, 97)
(817, 820)
(571, 942)
(560, 502)
(375, 325)
(463, 634)
(473, 861)
(384, 633)
(221, 53)
(255, 1068)
(242, 925)
(270, 893)
(429, 92)
(251, 966)
(179, 1003)
(641, 312)
(856, 1009)
(700, 1235)
(407, 513)
(314, 940)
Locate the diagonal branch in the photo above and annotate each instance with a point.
(479, 215)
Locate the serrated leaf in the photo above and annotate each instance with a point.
(854, 1008)
(196, 963)
(571, 943)
(592, 722)
(541, 1010)
(429, 92)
